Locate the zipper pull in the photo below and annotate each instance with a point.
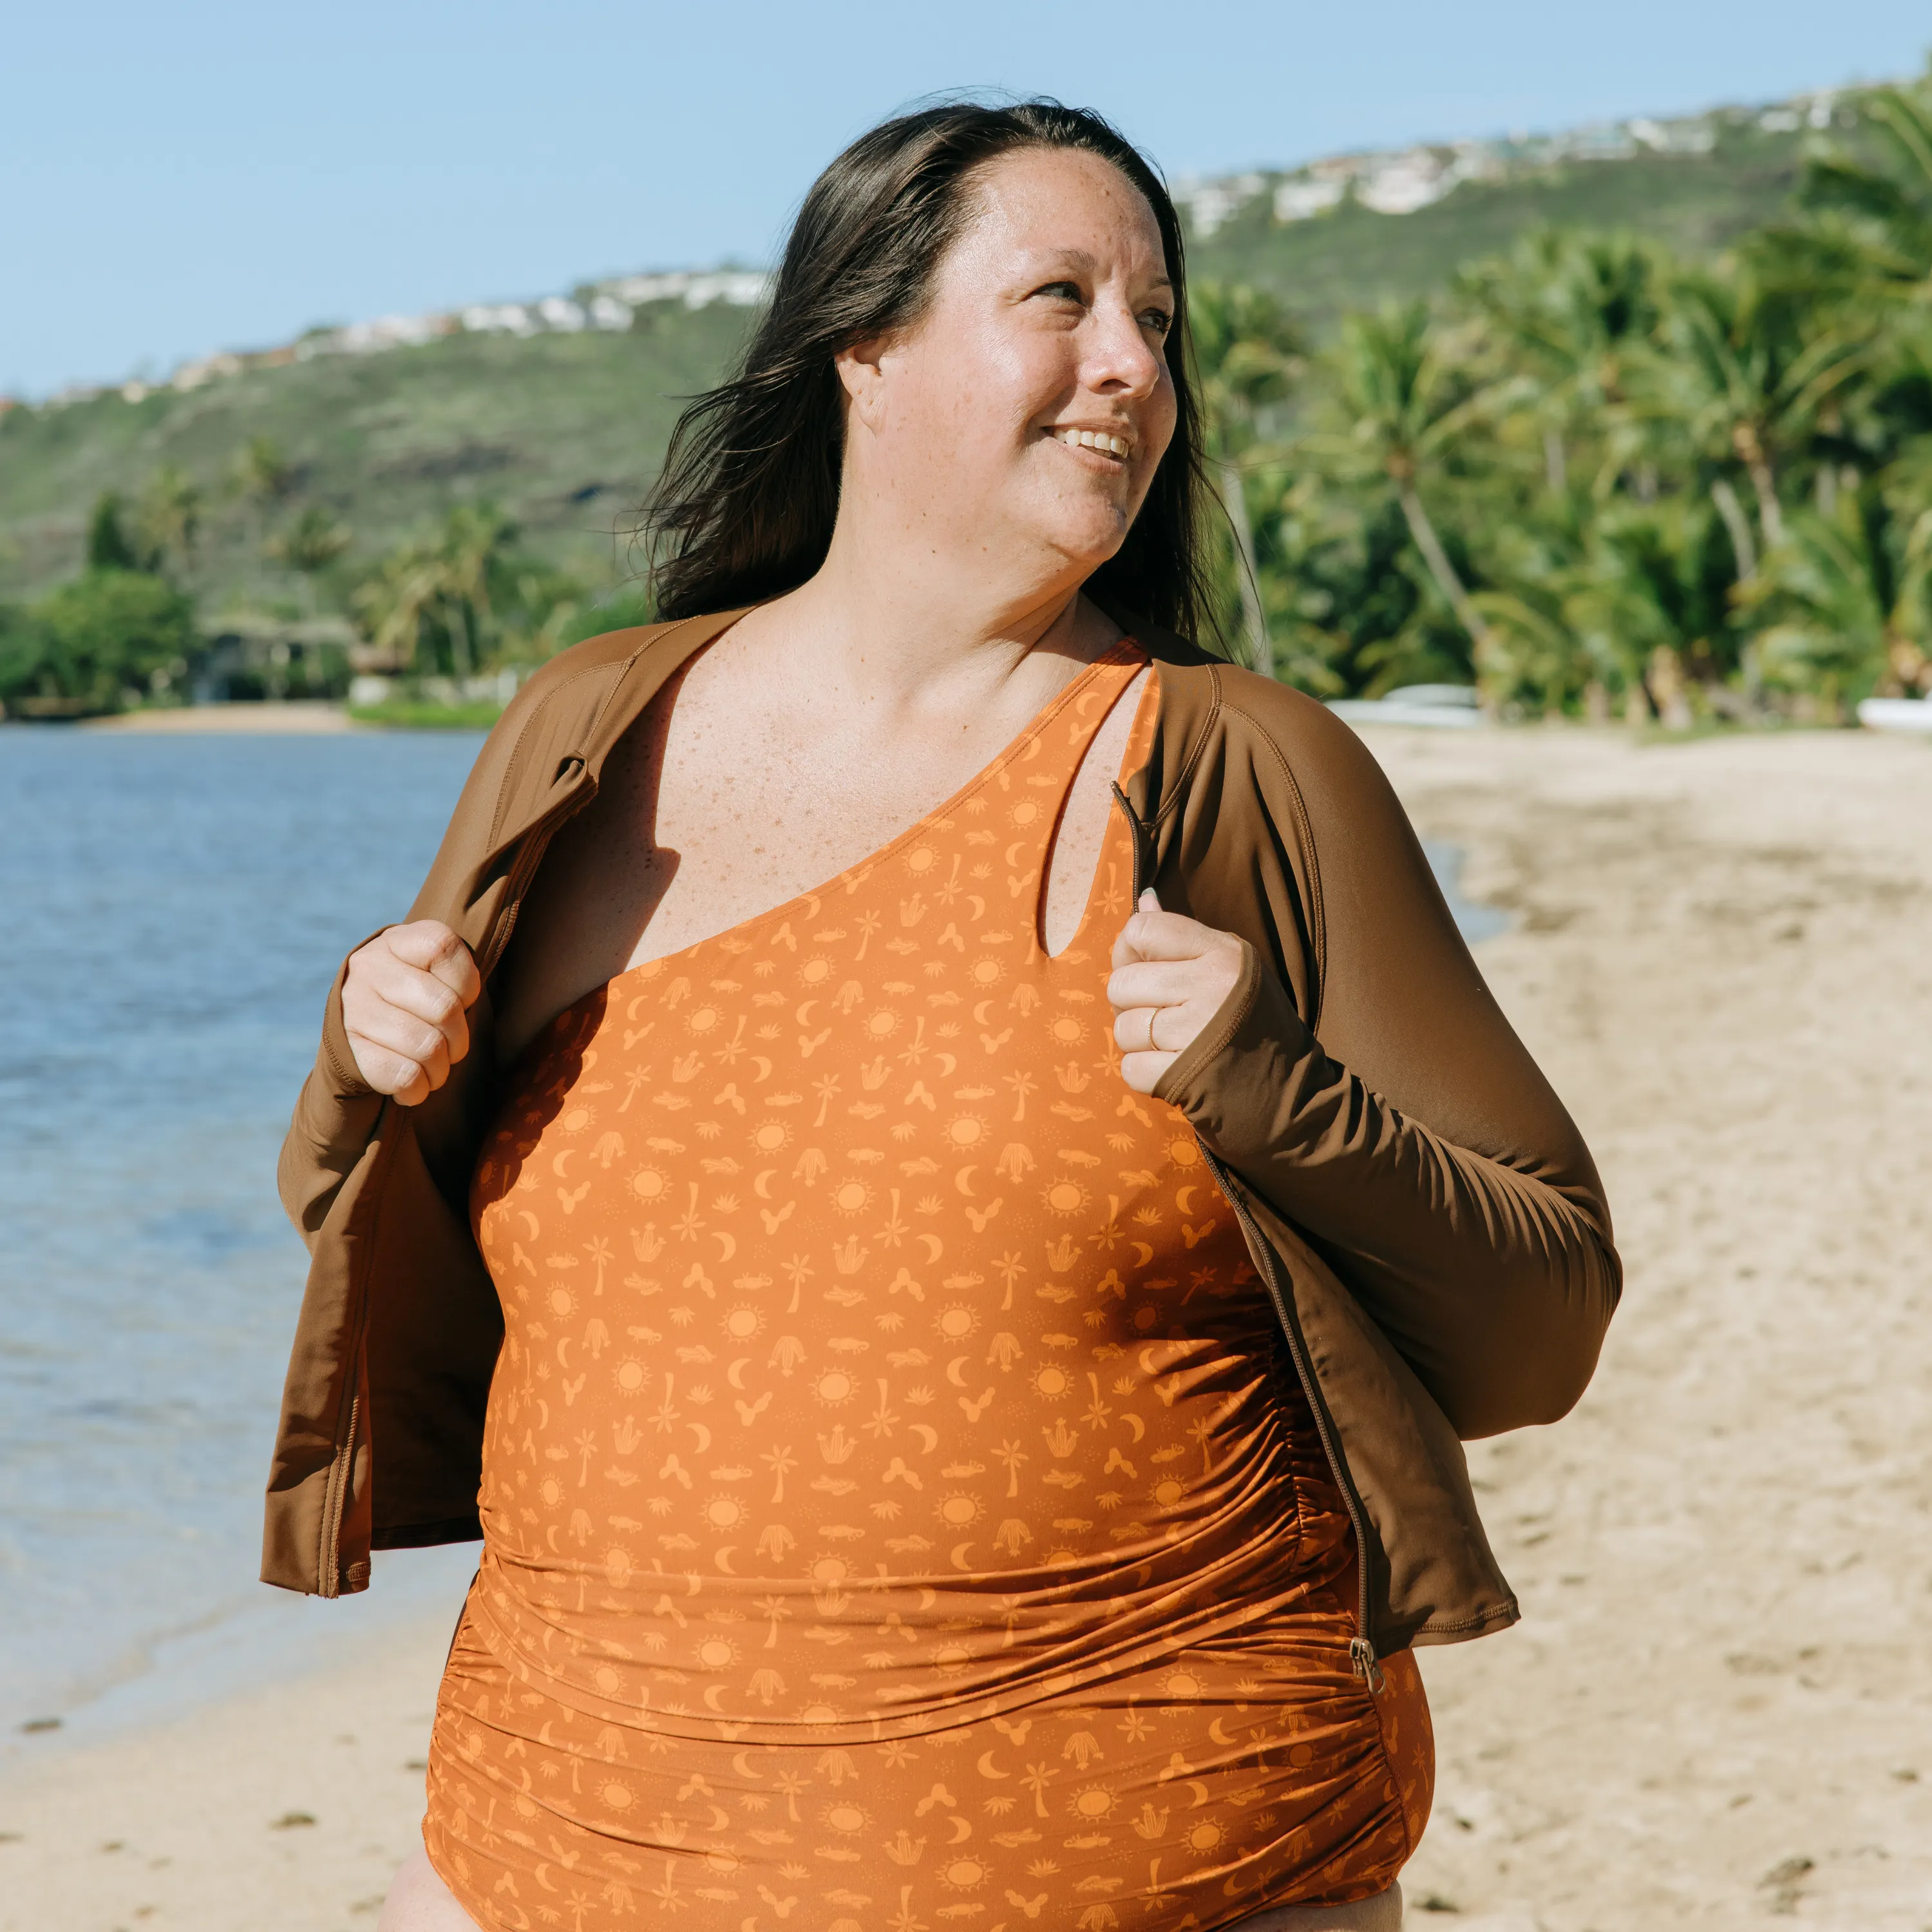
(1362, 1662)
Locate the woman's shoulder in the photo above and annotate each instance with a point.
(1214, 711)
(562, 708)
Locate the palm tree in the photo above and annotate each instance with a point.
(1884, 203)
(1567, 314)
(1747, 370)
(169, 516)
(1404, 403)
(398, 597)
(1848, 594)
(263, 473)
(1248, 354)
(1650, 600)
(473, 539)
(309, 546)
(264, 477)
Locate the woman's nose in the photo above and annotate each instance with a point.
(1120, 360)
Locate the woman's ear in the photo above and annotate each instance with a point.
(862, 369)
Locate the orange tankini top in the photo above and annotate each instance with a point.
(899, 1507)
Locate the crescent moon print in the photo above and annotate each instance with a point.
(808, 1456)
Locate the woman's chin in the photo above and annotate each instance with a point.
(1088, 541)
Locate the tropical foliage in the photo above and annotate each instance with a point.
(1588, 476)
(110, 634)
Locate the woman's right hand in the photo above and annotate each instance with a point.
(405, 1004)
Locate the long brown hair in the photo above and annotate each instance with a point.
(744, 507)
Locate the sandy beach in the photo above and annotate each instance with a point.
(1718, 1709)
(300, 719)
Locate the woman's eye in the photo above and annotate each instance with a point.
(1159, 320)
(1066, 291)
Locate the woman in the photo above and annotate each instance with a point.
(962, 1299)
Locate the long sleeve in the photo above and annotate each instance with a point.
(1363, 1079)
(1495, 1285)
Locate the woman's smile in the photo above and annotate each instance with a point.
(1110, 445)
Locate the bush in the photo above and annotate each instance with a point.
(107, 632)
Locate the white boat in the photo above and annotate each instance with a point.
(1455, 707)
(1896, 714)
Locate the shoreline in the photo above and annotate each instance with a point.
(1720, 1703)
(301, 719)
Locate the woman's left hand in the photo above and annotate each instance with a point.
(1170, 977)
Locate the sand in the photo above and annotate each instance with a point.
(301, 719)
(1718, 1709)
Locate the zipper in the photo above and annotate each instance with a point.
(1143, 844)
(338, 1490)
(1361, 1648)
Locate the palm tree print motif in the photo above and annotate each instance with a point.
(899, 1508)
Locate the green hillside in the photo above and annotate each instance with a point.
(1351, 258)
(563, 431)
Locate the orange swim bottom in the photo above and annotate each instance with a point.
(1254, 1772)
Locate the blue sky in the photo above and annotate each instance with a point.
(181, 179)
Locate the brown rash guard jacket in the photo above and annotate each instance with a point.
(1424, 1211)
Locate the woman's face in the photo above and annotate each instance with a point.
(1023, 416)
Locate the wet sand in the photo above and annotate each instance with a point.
(1718, 1709)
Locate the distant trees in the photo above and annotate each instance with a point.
(1588, 476)
(168, 517)
(310, 545)
(109, 545)
(110, 631)
(1249, 353)
(451, 602)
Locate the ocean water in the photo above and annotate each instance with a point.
(172, 912)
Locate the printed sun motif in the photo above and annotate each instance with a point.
(718, 1653)
(1065, 1196)
(771, 1137)
(958, 1510)
(853, 1197)
(724, 1513)
(957, 1320)
(835, 1388)
(744, 1322)
(963, 1874)
(631, 1375)
(560, 1300)
(650, 1185)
